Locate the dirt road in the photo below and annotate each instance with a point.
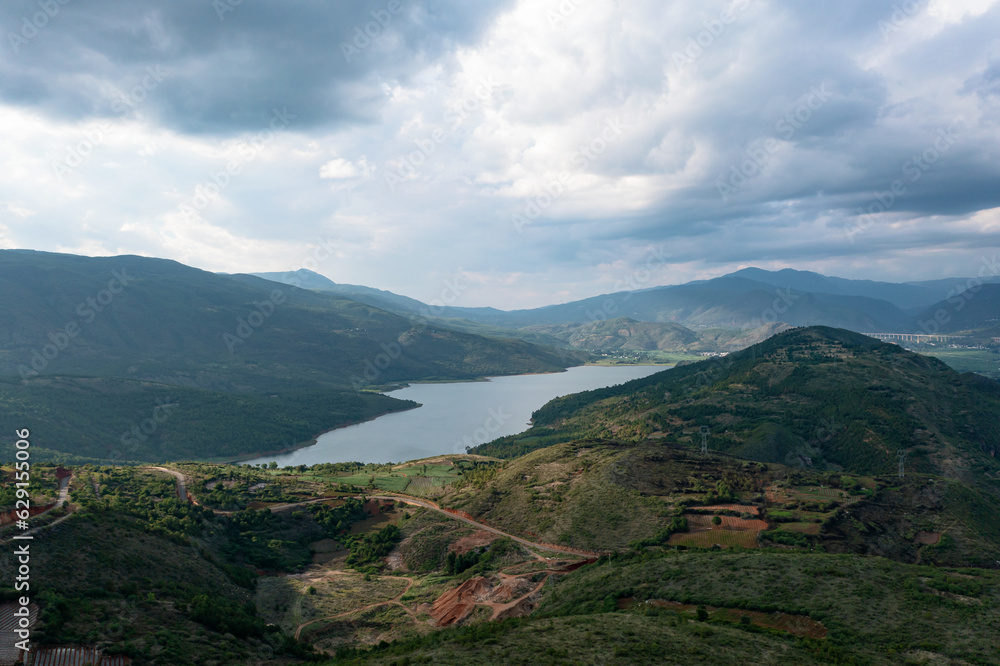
(181, 487)
(525, 542)
(182, 493)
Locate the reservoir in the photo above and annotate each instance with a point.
(453, 416)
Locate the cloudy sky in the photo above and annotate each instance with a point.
(526, 151)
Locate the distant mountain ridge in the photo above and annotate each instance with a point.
(748, 298)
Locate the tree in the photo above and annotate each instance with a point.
(716, 521)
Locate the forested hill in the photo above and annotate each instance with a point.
(159, 320)
(815, 397)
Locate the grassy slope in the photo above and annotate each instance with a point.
(595, 495)
(869, 605)
(607, 638)
(605, 495)
(876, 612)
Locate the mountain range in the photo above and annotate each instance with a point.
(678, 315)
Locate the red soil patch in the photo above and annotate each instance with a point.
(928, 538)
(7, 517)
(473, 541)
(457, 604)
(513, 596)
(460, 514)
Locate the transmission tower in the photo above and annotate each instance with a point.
(704, 440)
(902, 463)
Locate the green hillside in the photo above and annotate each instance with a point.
(89, 419)
(817, 398)
(643, 609)
(161, 321)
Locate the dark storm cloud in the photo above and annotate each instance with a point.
(228, 63)
(859, 134)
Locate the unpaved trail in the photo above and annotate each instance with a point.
(181, 487)
(429, 505)
(395, 601)
(35, 530)
(63, 491)
(525, 542)
(500, 608)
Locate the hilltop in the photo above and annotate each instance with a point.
(817, 398)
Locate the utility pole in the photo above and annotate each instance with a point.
(704, 440)
(902, 463)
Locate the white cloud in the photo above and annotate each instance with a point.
(338, 168)
(482, 129)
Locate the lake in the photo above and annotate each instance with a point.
(455, 415)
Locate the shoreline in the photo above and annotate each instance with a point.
(242, 458)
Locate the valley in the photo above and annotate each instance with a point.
(744, 498)
(500, 333)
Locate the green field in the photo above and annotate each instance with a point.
(968, 360)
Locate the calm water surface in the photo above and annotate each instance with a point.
(453, 416)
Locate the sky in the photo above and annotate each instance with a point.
(511, 153)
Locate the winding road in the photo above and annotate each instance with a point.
(181, 483)
(525, 542)
(182, 493)
(495, 607)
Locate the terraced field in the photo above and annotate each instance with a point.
(732, 532)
